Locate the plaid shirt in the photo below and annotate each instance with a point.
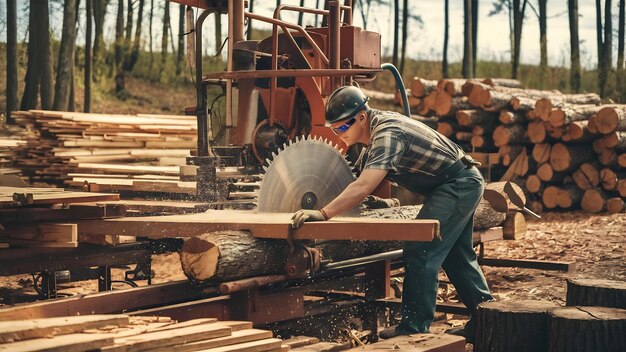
(405, 146)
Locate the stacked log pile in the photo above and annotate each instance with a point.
(68, 149)
(567, 150)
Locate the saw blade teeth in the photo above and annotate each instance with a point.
(274, 155)
(267, 161)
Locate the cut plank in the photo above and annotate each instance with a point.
(413, 343)
(237, 337)
(11, 331)
(253, 346)
(263, 225)
(63, 343)
(42, 232)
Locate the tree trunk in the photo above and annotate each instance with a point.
(591, 292)
(180, 55)
(151, 49)
(572, 113)
(543, 40)
(610, 119)
(514, 226)
(575, 70)
(474, 35)
(580, 132)
(494, 194)
(47, 77)
(475, 117)
(136, 49)
(421, 87)
(66, 57)
(12, 100)
(621, 34)
(518, 18)
(468, 64)
(33, 70)
(396, 31)
(99, 13)
(88, 55)
(513, 326)
(129, 23)
(545, 105)
(587, 176)
(165, 31)
(575, 329)
(218, 33)
(568, 158)
(252, 11)
(405, 34)
(594, 201)
(446, 36)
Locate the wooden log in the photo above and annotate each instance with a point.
(421, 87)
(615, 205)
(608, 157)
(514, 226)
(475, 117)
(448, 127)
(610, 119)
(508, 153)
(512, 326)
(481, 130)
(463, 136)
(621, 159)
(536, 206)
(598, 146)
(509, 134)
(621, 187)
(481, 142)
(503, 82)
(555, 132)
(587, 176)
(580, 132)
(536, 132)
(615, 140)
(443, 104)
(593, 201)
(534, 184)
(549, 197)
(591, 125)
(458, 103)
(523, 104)
(524, 165)
(568, 113)
(593, 292)
(567, 158)
(569, 196)
(576, 328)
(510, 117)
(610, 178)
(546, 173)
(494, 194)
(428, 103)
(541, 152)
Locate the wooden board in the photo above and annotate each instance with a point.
(236, 337)
(11, 331)
(264, 225)
(417, 343)
(64, 343)
(51, 196)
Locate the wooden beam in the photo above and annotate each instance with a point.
(264, 225)
(71, 342)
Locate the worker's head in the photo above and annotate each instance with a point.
(346, 107)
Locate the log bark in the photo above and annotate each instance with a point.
(421, 87)
(569, 197)
(534, 184)
(615, 205)
(458, 104)
(510, 117)
(498, 101)
(576, 328)
(475, 117)
(587, 176)
(523, 104)
(579, 131)
(593, 292)
(541, 152)
(567, 103)
(512, 134)
(503, 82)
(567, 158)
(512, 326)
(571, 113)
(610, 119)
(610, 179)
(549, 197)
(593, 201)
(452, 86)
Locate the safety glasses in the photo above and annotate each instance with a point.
(343, 128)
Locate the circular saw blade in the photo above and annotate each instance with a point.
(307, 173)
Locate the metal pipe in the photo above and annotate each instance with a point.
(334, 27)
(399, 86)
(201, 95)
(347, 14)
(362, 260)
(250, 74)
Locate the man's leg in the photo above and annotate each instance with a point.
(423, 260)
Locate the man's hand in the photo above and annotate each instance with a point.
(306, 215)
(374, 202)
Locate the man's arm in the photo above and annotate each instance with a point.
(355, 192)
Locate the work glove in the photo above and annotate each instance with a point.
(374, 202)
(306, 215)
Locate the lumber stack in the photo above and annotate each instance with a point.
(46, 217)
(134, 333)
(11, 138)
(68, 148)
(567, 150)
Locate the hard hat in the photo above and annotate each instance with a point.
(345, 103)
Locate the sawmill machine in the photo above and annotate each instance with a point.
(275, 88)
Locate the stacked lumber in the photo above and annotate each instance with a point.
(567, 150)
(46, 217)
(65, 148)
(134, 333)
(11, 137)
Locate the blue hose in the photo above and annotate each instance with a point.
(399, 86)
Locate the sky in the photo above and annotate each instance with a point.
(425, 40)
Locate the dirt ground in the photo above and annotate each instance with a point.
(597, 243)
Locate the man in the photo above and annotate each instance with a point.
(421, 160)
